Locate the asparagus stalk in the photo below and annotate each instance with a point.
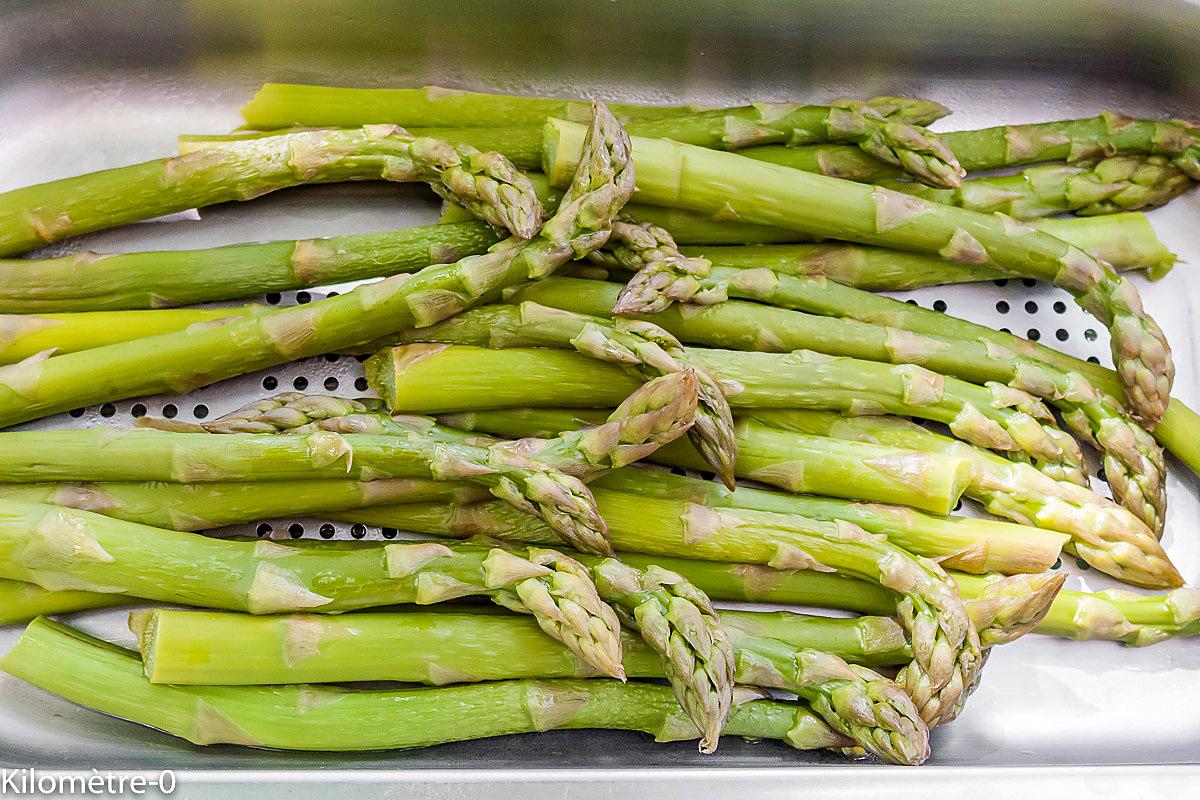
(1133, 461)
(486, 183)
(443, 378)
(281, 105)
(1102, 136)
(915, 150)
(640, 349)
(114, 281)
(150, 455)
(452, 648)
(1102, 534)
(197, 357)
(60, 548)
(437, 647)
(1109, 186)
(110, 679)
(1126, 241)
(682, 175)
(945, 646)
(21, 602)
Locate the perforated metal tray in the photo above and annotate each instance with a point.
(90, 85)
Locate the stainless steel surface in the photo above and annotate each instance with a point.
(87, 85)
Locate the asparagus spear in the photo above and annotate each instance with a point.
(1108, 186)
(682, 175)
(1102, 136)
(654, 415)
(486, 183)
(442, 378)
(1102, 534)
(945, 646)
(280, 105)
(1133, 461)
(535, 488)
(642, 350)
(450, 648)
(21, 602)
(112, 281)
(109, 679)
(1125, 240)
(60, 548)
(197, 357)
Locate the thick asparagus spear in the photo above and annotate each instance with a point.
(442, 378)
(450, 648)
(643, 350)
(60, 548)
(197, 357)
(21, 602)
(1102, 534)
(682, 175)
(1133, 461)
(109, 679)
(1125, 240)
(113, 281)
(490, 186)
(945, 646)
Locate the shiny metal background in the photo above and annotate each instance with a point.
(90, 84)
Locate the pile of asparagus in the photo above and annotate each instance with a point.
(557, 372)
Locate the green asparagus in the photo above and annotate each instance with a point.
(199, 356)
(487, 183)
(945, 646)
(114, 281)
(236, 649)
(59, 548)
(682, 175)
(432, 379)
(110, 679)
(1103, 534)
(1133, 461)
(1102, 136)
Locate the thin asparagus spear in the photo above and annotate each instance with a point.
(1102, 136)
(1112, 185)
(197, 357)
(945, 646)
(434, 379)
(1135, 619)
(60, 548)
(682, 175)
(280, 105)
(150, 455)
(452, 648)
(109, 679)
(491, 187)
(1102, 534)
(113, 281)
(202, 506)
(1133, 461)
